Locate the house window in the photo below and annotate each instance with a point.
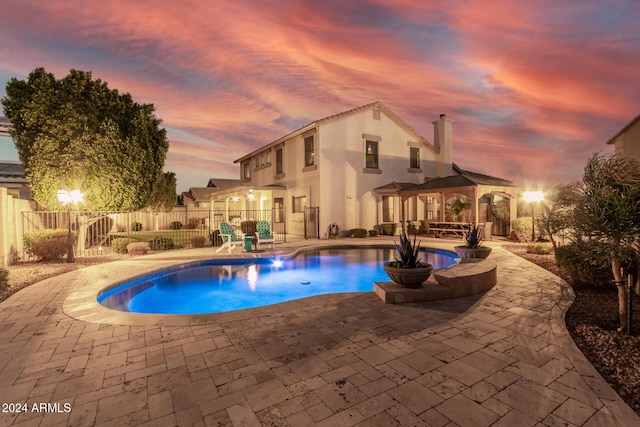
(429, 214)
(414, 158)
(246, 170)
(371, 154)
(299, 203)
(257, 162)
(387, 208)
(309, 151)
(279, 169)
(376, 114)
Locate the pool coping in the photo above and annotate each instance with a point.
(83, 305)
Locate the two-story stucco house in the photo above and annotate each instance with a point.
(352, 166)
(627, 140)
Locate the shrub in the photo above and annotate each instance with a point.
(521, 229)
(388, 229)
(540, 248)
(138, 248)
(198, 242)
(588, 262)
(160, 243)
(424, 226)
(176, 225)
(46, 245)
(119, 245)
(373, 233)
(4, 278)
(358, 232)
(136, 226)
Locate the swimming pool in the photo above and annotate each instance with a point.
(217, 286)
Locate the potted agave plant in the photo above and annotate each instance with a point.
(472, 250)
(407, 270)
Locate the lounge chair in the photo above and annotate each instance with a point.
(264, 233)
(228, 236)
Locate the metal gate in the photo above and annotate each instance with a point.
(311, 222)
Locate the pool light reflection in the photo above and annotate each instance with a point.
(277, 262)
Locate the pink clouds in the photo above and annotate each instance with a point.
(534, 87)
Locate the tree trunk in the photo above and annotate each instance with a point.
(623, 296)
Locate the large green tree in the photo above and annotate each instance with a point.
(608, 211)
(76, 133)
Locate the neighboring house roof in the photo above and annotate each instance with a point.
(4, 126)
(223, 184)
(623, 130)
(12, 170)
(339, 116)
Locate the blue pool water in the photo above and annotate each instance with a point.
(225, 285)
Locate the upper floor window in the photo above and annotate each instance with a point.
(246, 170)
(414, 158)
(371, 154)
(279, 168)
(309, 151)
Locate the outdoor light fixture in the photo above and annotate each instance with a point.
(533, 197)
(67, 198)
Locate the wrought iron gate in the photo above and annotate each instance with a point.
(311, 222)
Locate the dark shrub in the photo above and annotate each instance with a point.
(176, 225)
(136, 226)
(46, 245)
(160, 243)
(4, 278)
(541, 248)
(588, 262)
(119, 245)
(198, 242)
(373, 233)
(358, 232)
(388, 229)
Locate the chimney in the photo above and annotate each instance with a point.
(443, 141)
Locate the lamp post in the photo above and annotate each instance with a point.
(66, 198)
(533, 197)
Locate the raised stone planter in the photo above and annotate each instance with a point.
(453, 282)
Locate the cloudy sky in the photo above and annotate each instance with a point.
(534, 86)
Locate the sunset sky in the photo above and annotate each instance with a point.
(534, 87)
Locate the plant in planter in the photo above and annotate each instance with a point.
(472, 249)
(407, 270)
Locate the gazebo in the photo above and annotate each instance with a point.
(470, 184)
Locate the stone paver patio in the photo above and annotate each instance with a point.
(500, 358)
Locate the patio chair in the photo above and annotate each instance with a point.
(228, 236)
(264, 233)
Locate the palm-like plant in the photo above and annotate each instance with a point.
(472, 237)
(408, 253)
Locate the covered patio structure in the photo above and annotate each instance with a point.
(473, 185)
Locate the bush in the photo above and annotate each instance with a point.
(540, 248)
(373, 233)
(198, 242)
(138, 248)
(46, 245)
(176, 225)
(358, 232)
(4, 278)
(160, 243)
(521, 229)
(388, 229)
(119, 245)
(588, 262)
(136, 226)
